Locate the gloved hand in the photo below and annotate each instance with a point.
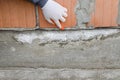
(54, 12)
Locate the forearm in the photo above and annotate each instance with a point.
(39, 2)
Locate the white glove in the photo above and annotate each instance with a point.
(54, 11)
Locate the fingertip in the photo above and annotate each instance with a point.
(65, 15)
(66, 10)
(62, 28)
(62, 19)
(57, 22)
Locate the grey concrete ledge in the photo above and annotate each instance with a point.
(59, 74)
(85, 50)
(64, 36)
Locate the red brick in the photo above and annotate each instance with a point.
(17, 14)
(71, 20)
(105, 14)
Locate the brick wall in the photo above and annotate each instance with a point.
(21, 14)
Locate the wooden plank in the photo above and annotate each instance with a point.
(71, 20)
(17, 14)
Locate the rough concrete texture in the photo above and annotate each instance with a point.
(73, 49)
(59, 74)
(63, 36)
(83, 11)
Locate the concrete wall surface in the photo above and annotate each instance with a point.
(60, 49)
(59, 74)
(60, 55)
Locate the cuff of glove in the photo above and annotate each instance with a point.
(42, 3)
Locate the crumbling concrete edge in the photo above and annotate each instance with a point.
(64, 36)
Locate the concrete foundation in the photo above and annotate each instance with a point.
(67, 49)
(59, 74)
(60, 55)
